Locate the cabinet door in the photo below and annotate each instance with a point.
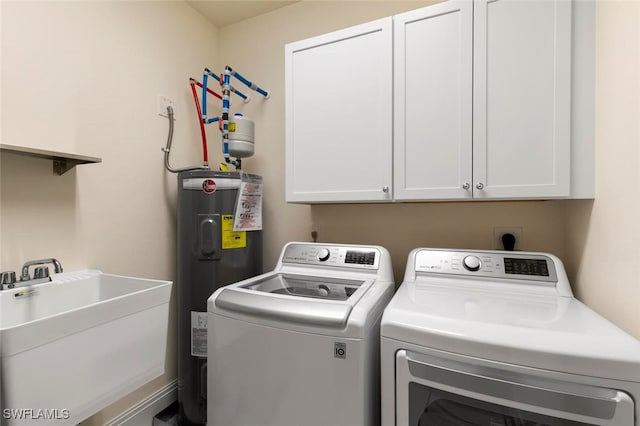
(339, 115)
(432, 101)
(522, 95)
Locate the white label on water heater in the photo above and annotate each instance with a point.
(248, 211)
(199, 334)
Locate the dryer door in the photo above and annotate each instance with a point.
(433, 391)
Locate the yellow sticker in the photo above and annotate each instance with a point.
(232, 126)
(231, 239)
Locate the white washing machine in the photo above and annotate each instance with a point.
(493, 338)
(300, 345)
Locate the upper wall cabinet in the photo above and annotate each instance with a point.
(338, 115)
(485, 105)
(433, 71)
(482, 100)
(522, 99)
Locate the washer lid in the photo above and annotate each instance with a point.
(306, 286)
(547, 332)
(310, 300)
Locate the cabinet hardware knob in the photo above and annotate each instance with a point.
(466, 186)
(479, 185)
(385, 189)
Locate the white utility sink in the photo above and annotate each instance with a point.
(76, 344)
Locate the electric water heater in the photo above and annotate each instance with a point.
(210, 255)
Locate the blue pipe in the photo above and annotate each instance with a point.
(226, 88)
(232, 89)
(244, 97)
(248, 83)
(204, 93)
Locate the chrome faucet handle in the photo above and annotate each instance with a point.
(7, 280)
(41, 272)
(24, 276)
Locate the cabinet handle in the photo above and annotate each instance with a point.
(466, 186)
(385, 189)
(479, 185)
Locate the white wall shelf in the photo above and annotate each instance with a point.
(62, 161)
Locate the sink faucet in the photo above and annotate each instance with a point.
(24, 276)
(40, 275)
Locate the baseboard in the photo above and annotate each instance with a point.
(143, 412)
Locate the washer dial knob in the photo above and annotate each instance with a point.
(323, 254)
(471, 263)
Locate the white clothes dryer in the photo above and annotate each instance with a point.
(300, 345)
(493, 338)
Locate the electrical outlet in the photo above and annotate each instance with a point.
(163, 103)
(499, 231)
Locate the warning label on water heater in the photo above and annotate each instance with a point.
(248, 211)
(199, 334)
(232, 239)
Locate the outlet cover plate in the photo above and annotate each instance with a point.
(499, 231)
(163, 103)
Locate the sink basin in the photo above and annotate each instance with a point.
(73, 346)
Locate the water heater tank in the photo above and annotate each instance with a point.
(241, 136)
(210, 255)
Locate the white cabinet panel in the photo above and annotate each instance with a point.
(338, 115)
(432, 102)
(522, 98)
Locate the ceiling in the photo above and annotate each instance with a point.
(221, 12)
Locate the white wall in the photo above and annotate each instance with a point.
(603, 235)
(398, 227)
(83, 77)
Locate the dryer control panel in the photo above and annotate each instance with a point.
(488, 264)
(361, 257)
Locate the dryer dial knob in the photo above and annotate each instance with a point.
(323, 254)
(471, 263)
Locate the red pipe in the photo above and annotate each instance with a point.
(205, 154)
(208, 90)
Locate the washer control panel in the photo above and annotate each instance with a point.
(489, 264)
(331, 255)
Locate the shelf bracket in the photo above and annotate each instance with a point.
(61, 166)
